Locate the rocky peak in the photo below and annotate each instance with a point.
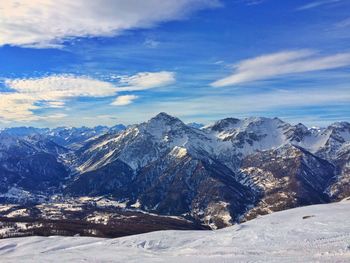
(262, 122)
(162, 124)
(297, 133)
(340, 125)
(301, 127)
(224, 124)
(164, 118)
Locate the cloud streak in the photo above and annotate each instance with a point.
(281, 64)
(344, 23)
(48, 23)
(146, 80)
(124, 100)
(316, 4)
(245, 105)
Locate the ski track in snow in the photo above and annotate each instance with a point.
(323, 236)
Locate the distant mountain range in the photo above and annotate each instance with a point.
(230, 171)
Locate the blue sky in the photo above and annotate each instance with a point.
(107, 62)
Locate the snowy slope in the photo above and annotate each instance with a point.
(319, 233)
(70, 137)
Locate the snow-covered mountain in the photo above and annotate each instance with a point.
(319, 233)
(31, 163)
(229, 171)
(219, 174)
(70, 137)
(38, 159)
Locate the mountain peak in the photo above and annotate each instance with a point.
(164, 118)
(223, 124)
(260, 120)
(162, 123)
(340, 125)
(163, 115)
(301, 127)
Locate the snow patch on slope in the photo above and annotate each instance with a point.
(178, 152)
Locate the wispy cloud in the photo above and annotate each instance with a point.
(254, 2)
(151, 43)
(124, 100)
(344, 23)
(250, 2)
(48, 23)
(275, 102)
(146, 80)
(281, 64)
(315, 4)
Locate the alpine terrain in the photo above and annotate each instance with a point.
(165, 174)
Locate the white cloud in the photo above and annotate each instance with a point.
(49, 92)
(146, 80)
(47, 23)
(55, 104)
(315, 4)
(58, 87)
(28, 95)
(124, 100)
(55, 116)
(280, 64)
(151, 43)
(17, 106)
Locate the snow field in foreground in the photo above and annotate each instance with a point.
(319, 233)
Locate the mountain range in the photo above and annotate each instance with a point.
(230, 171)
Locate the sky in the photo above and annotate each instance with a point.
(103, 62)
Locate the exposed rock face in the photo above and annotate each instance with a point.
(286, 177)
(341, 186)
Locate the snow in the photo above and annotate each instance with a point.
(103, 202)
(259, 178)
(4, 208)
(99, 218)
(218, 210)
(137, 204)
(268, 134)
(227, 140)
(178, 152)
(19, 194)
(18, 213)
(272, 133)
(315, 141)
(319, 233)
